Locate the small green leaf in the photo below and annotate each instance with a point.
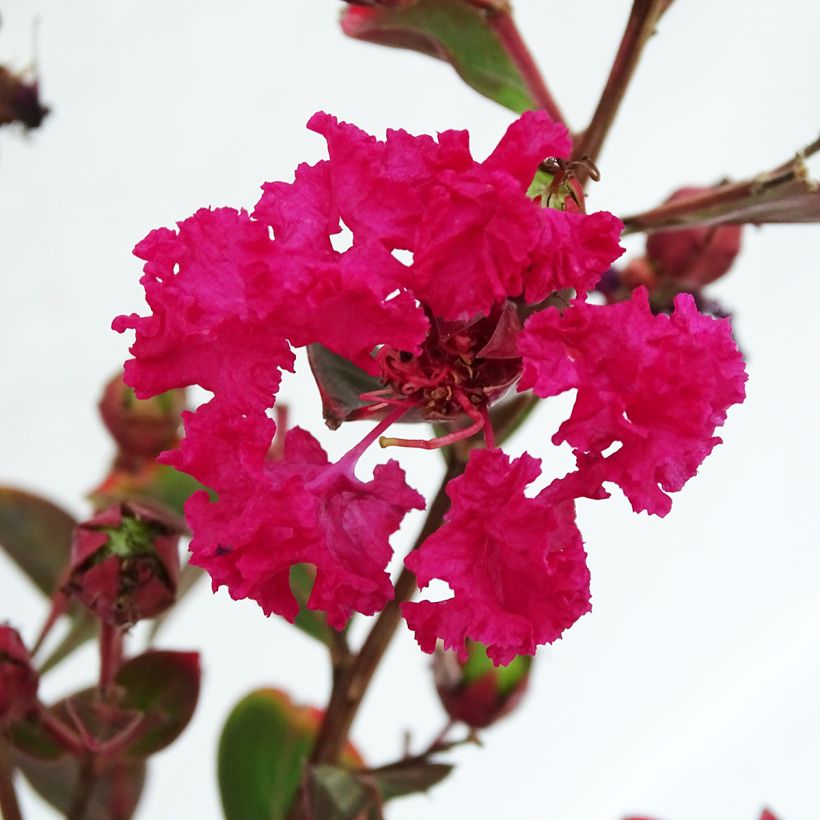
(36, 534)
(264, 745)
(453, 31)
(115, 792)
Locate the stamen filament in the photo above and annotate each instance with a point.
(352, 456)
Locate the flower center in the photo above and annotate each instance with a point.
(463, 367)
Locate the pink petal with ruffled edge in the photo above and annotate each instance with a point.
(516, 565)
(303, 510)
(658, 385)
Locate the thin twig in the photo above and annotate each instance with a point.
(9, 806)
(352, 684)
(639, 28)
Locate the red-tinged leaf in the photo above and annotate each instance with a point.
(164, 686)
(454, 31)
(114, 794)
(36, 534)
(785, 194)
(340, 385)
(264, 745)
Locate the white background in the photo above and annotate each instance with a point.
(690, 692)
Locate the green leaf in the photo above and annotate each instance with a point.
(453, 31)
(264, 745)
(115, 792)
(37, 535)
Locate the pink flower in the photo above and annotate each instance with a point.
(449, 256)
(516, 565)
(657, 386)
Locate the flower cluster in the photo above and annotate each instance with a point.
(444, 329)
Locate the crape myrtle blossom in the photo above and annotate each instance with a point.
(441, 338)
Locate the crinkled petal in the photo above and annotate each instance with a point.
(304, 510)
(575, 251)
(380, 186)
(211, 287)
(476, 239)
(658, 386)
(516, 565)
(531, 139)
(302, 213)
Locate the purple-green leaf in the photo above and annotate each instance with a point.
(114, 792)
(36, 534)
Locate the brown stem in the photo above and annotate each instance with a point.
(9, 806)
(503, 23)
(84, 792)
(724, 203)
(352, 682)
(639, 28)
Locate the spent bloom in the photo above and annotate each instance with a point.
(442, 306)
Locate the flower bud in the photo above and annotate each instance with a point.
(125, 563)
(141, 428)
(18, 680)
(475, 691)
(20, 100)
(694, 257)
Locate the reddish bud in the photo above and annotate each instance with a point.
(694, 257)
(476, 692)
(141, 428)
(125, 563)
(18, 680)
(20, 100)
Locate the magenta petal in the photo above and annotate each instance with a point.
(528, 142)
(304, 510)
(516, 565)
(658, 386)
